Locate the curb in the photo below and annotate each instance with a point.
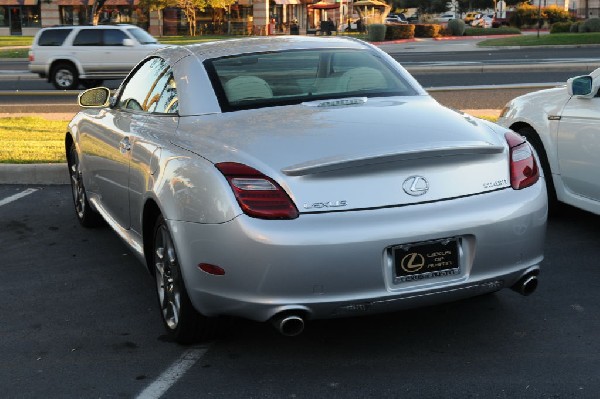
(43, 173)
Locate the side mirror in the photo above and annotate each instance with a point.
(581, 86)
(128, 42)
(97, 97)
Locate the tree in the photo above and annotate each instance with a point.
(96, 8)
(218, 7)
(189, 8)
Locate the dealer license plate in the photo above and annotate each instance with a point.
(428, 260)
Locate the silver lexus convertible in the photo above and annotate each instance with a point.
(294, 178)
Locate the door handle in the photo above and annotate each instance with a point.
(124, 145)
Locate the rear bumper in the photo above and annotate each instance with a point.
(338, 264)
(39, 69)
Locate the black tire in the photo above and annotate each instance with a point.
(64, 76)
(89, 83)
(532, 137)
(84, 212)
(183, 323)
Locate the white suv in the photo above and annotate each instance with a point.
(70, 55)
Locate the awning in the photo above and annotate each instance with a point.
(18, 2)
(324, 6)
(91, 2)
(287, 1)
(370, 3)
(117, 3)
(75, 2)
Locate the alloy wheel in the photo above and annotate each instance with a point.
(64, 78)
(77, 185)
(167, 277)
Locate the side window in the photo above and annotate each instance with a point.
(53, 37)
(88, 37)
(151, 89)
(114, 37)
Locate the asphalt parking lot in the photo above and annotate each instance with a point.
(80, 319)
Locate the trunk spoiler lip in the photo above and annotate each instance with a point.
(434, 150)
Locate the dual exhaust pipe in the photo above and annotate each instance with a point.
(527, 284)
(291, 324)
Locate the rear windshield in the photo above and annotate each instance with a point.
(288, 77)
(53, 37)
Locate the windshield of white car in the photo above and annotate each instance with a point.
(291, 77)
(142, 36)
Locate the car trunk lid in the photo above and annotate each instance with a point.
(379, 153)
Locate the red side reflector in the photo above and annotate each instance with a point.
(211, 269)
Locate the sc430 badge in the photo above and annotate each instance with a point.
(495, 184)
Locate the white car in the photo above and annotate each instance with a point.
(445, 17)
(484, 21)
(563, 125)
(71, 55)
(395, 19)
(353, 26)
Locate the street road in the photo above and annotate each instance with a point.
(54, 101)
(80, 319)
(532, 56)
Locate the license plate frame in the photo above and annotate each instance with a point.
(422, 261)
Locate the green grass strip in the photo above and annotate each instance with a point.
(553, 39)
(32, 140)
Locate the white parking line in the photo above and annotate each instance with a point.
(171, 375)
(17, 196)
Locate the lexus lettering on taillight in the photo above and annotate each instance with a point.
(258, 195)
(524, 170)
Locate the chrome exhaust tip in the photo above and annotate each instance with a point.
(289, 325)
(527, 285)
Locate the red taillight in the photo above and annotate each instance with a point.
(31, 58)
(524, 170)
(258, 195)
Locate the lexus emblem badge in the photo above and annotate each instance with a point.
(415, 186)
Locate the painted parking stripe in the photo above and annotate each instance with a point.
(17, 196)
(171, 375)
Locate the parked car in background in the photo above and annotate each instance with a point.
(288, 197)
(471, 16)
(354, 25)
(72, 55)
(395, 19)
(445, 17)
(563, 124)
(484, 21)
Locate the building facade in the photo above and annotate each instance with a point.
(26, 17)
(582, 9)
(245, 17)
